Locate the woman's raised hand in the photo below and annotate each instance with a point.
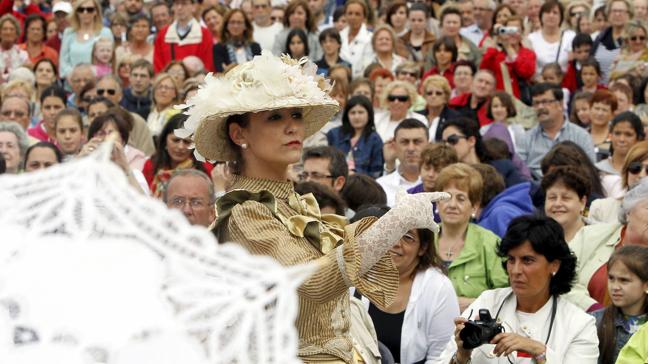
(417, 209)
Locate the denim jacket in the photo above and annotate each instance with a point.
(621, 334)
(367, 153)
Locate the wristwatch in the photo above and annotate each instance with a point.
(541, 358)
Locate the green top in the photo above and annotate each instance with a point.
(636, 350)
(477, 268)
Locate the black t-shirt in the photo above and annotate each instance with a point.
(388, 329)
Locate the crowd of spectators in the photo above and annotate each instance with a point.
(514, 107)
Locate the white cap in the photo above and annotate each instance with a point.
(63, 6)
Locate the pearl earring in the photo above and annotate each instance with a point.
(244, 146)
(553, 274)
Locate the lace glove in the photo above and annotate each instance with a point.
(411, 212)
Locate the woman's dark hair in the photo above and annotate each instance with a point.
(243, 120)
(573, 115)
(393, 9)
(47, 145)
(448, 44)
(635, 258)
(546, 237)
(568, 153)
(572, 177)
(161, 158)
(109, 117)
(633, 119)
(498, 9)
(32, 18)
(292, 7)
(466, 63)
(590, 62)
(325, 195)
(360, 189)
(302, 36)
(431, 257)
(506, 100)
(247, 33)
(550, 5)
(470, 128)
(641, 95)
(51, 63)
(347, 129)
(101, 100)
(493, 182)
(420, 7)
(53, 91)
(73, 113)
(330, 33)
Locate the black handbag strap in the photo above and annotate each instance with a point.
(559, 45)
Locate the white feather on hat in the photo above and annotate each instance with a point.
(265, 83)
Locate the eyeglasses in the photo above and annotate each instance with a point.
(639, 38)
(637, 167)
(16, 113)
(110, 91)
(88, 10)
(194, 203)
(312, 175)
(543, 102)
(454, 139)
(438, 93)
(401, 98)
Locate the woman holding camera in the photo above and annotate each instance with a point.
(510, 61)
(531, 322)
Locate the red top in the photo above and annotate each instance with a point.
(463, 101)
(46, 52)
(570, 80)
(523, 68)
(149, 173)
(162, 55)
(597, 286)
(448, 74)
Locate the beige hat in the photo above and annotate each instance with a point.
(265, 83)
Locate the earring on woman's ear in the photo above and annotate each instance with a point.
(244, 146)
(553, 274)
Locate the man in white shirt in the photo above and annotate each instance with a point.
(410, 137)
(483, 14)
(265, 30)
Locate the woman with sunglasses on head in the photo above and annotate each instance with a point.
(464, 136)
(606, 210)
(594, 244)
(262, 128)
(537, 323)
(396, 100)
(85, 28)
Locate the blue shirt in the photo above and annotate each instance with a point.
(367, 153)
(536, 143)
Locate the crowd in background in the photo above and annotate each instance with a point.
(515, 107)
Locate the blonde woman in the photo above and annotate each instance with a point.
(384, 47)
(166, 94)
(78, 39)
(396, 100)
(11, 56)
(436, 91)
(634, 51)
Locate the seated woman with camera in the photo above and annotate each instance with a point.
(529, 322)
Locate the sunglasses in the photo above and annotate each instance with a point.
(430, 93)
(88, 10)
(110, 91)
(401, 98)
(454, 139)
(638, 38)
(637, 167)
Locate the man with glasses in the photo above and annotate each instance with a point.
(109, 86)
(552, 128)
(184, 37)
(483, 14)
(410, 138)
(15, 108)
(192, 192)
(325, 165)
(265, 30)
(137, 98)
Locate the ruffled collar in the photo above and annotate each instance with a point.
(281, 190)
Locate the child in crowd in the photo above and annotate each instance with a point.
(628, 293)
(297, 44)
(331, 44)
(552, 73)
(69, 132)
(580, 109)
(590, 74)
(581, 45)
(103, 57)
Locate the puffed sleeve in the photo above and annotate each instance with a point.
(253, 225)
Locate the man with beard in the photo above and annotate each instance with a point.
(552, 128)
(410, 137)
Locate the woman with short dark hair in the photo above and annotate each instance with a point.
(537, 321)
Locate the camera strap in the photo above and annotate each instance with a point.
(554, 308)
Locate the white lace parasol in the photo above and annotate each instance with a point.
(92, 272)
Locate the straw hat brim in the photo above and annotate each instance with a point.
(212, 140)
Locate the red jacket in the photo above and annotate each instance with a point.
(448, 74)
(523, 68)
(6, 7)
(461, 104)
(570, 81)
(197, 43)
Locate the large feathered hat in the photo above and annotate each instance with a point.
(265, 83)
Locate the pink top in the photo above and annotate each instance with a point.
(39, 132)
(102, 70)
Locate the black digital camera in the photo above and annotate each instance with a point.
(479, 332)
